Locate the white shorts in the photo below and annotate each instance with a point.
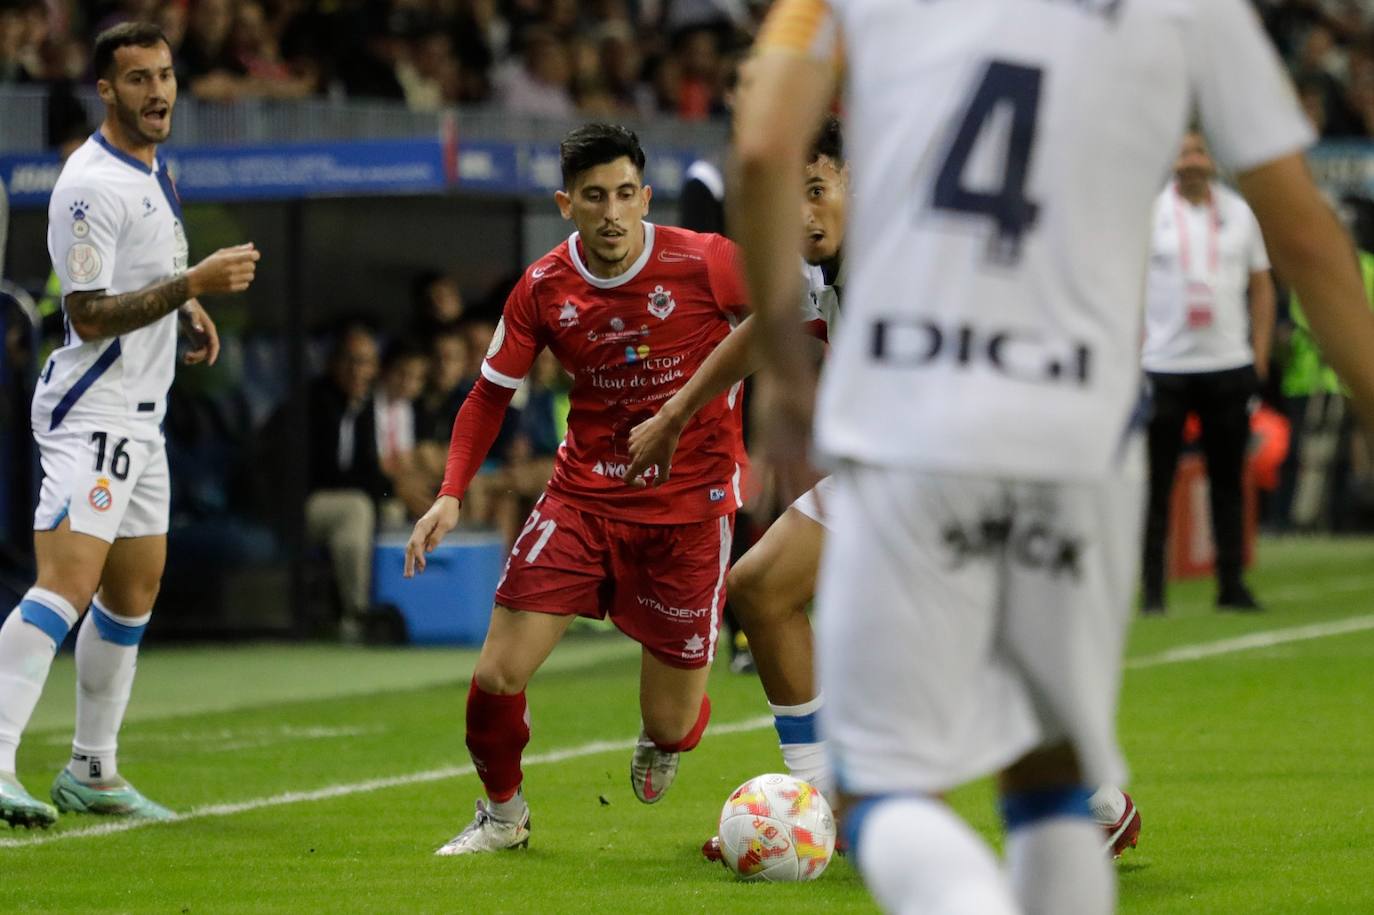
(812, 503)
(964, 621)
(108, 484)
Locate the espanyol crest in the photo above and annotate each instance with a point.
(661, 303)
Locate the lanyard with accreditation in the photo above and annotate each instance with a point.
(1201, 290)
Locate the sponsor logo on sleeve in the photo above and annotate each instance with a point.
(80, 227)
(83, 262)
(498, 337)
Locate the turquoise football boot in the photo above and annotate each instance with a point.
(19, 808)
(109, 798)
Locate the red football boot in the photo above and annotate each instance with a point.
(1125, 832)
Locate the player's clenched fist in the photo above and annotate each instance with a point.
(227, 270)
(432, 527)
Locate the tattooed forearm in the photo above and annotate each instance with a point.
(95, 315)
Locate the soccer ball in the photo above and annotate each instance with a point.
(777, 828)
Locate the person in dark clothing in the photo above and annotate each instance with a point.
(346, 478)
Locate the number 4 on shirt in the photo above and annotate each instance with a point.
(1008, 207)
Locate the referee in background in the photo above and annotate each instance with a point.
(1209, 325)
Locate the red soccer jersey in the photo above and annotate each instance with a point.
(630, 343)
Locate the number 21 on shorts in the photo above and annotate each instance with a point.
(545, 528)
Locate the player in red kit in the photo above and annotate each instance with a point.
(631, 310)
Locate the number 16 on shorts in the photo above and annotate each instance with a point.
(106, 483)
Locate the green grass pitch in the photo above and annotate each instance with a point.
(320, 779)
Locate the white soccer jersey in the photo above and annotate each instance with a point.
(821, 301)
(1005, 157)
(113, 224)
(1197, 312)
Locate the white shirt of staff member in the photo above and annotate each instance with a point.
(1209, 298)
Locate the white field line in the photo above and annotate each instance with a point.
(253, 738)
(1181, 654)
(364, 787)
(1267, 639)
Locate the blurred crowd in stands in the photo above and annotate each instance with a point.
(606, 58)
(1329, 46)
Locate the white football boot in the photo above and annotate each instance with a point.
(487, 833)
(651, 770)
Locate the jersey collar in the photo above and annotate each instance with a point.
(120, 154)
(613, 282)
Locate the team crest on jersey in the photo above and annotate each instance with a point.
(100, 496)
(661, 303)
(567, 316)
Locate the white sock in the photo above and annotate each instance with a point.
(803, 751)
(1058, 865)
(29, 639)
(106, 657)
(1108, 805)
(509, 811)
(916, 856)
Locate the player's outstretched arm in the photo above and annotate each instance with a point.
(653, 442)
(95, 315)
(432, 527)
(1314, 255)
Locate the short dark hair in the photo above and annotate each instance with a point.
(402, 350)
(124, 35)
(829, 142)
(597, 144)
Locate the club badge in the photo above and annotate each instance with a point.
(100, 496)
(661, 303)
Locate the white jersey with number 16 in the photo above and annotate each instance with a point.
(1006, 154)
(113, 224)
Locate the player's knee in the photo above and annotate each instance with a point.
(743, 585)
(498, 678)
(72, 585)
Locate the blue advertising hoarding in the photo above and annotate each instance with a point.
(293, 171)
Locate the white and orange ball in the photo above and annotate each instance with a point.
(777, 828)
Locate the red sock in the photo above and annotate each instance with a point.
(498, 730)
(694, 735)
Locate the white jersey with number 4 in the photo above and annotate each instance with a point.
(1006, 154)
(113, 224)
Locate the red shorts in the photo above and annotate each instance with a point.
(662, 584)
